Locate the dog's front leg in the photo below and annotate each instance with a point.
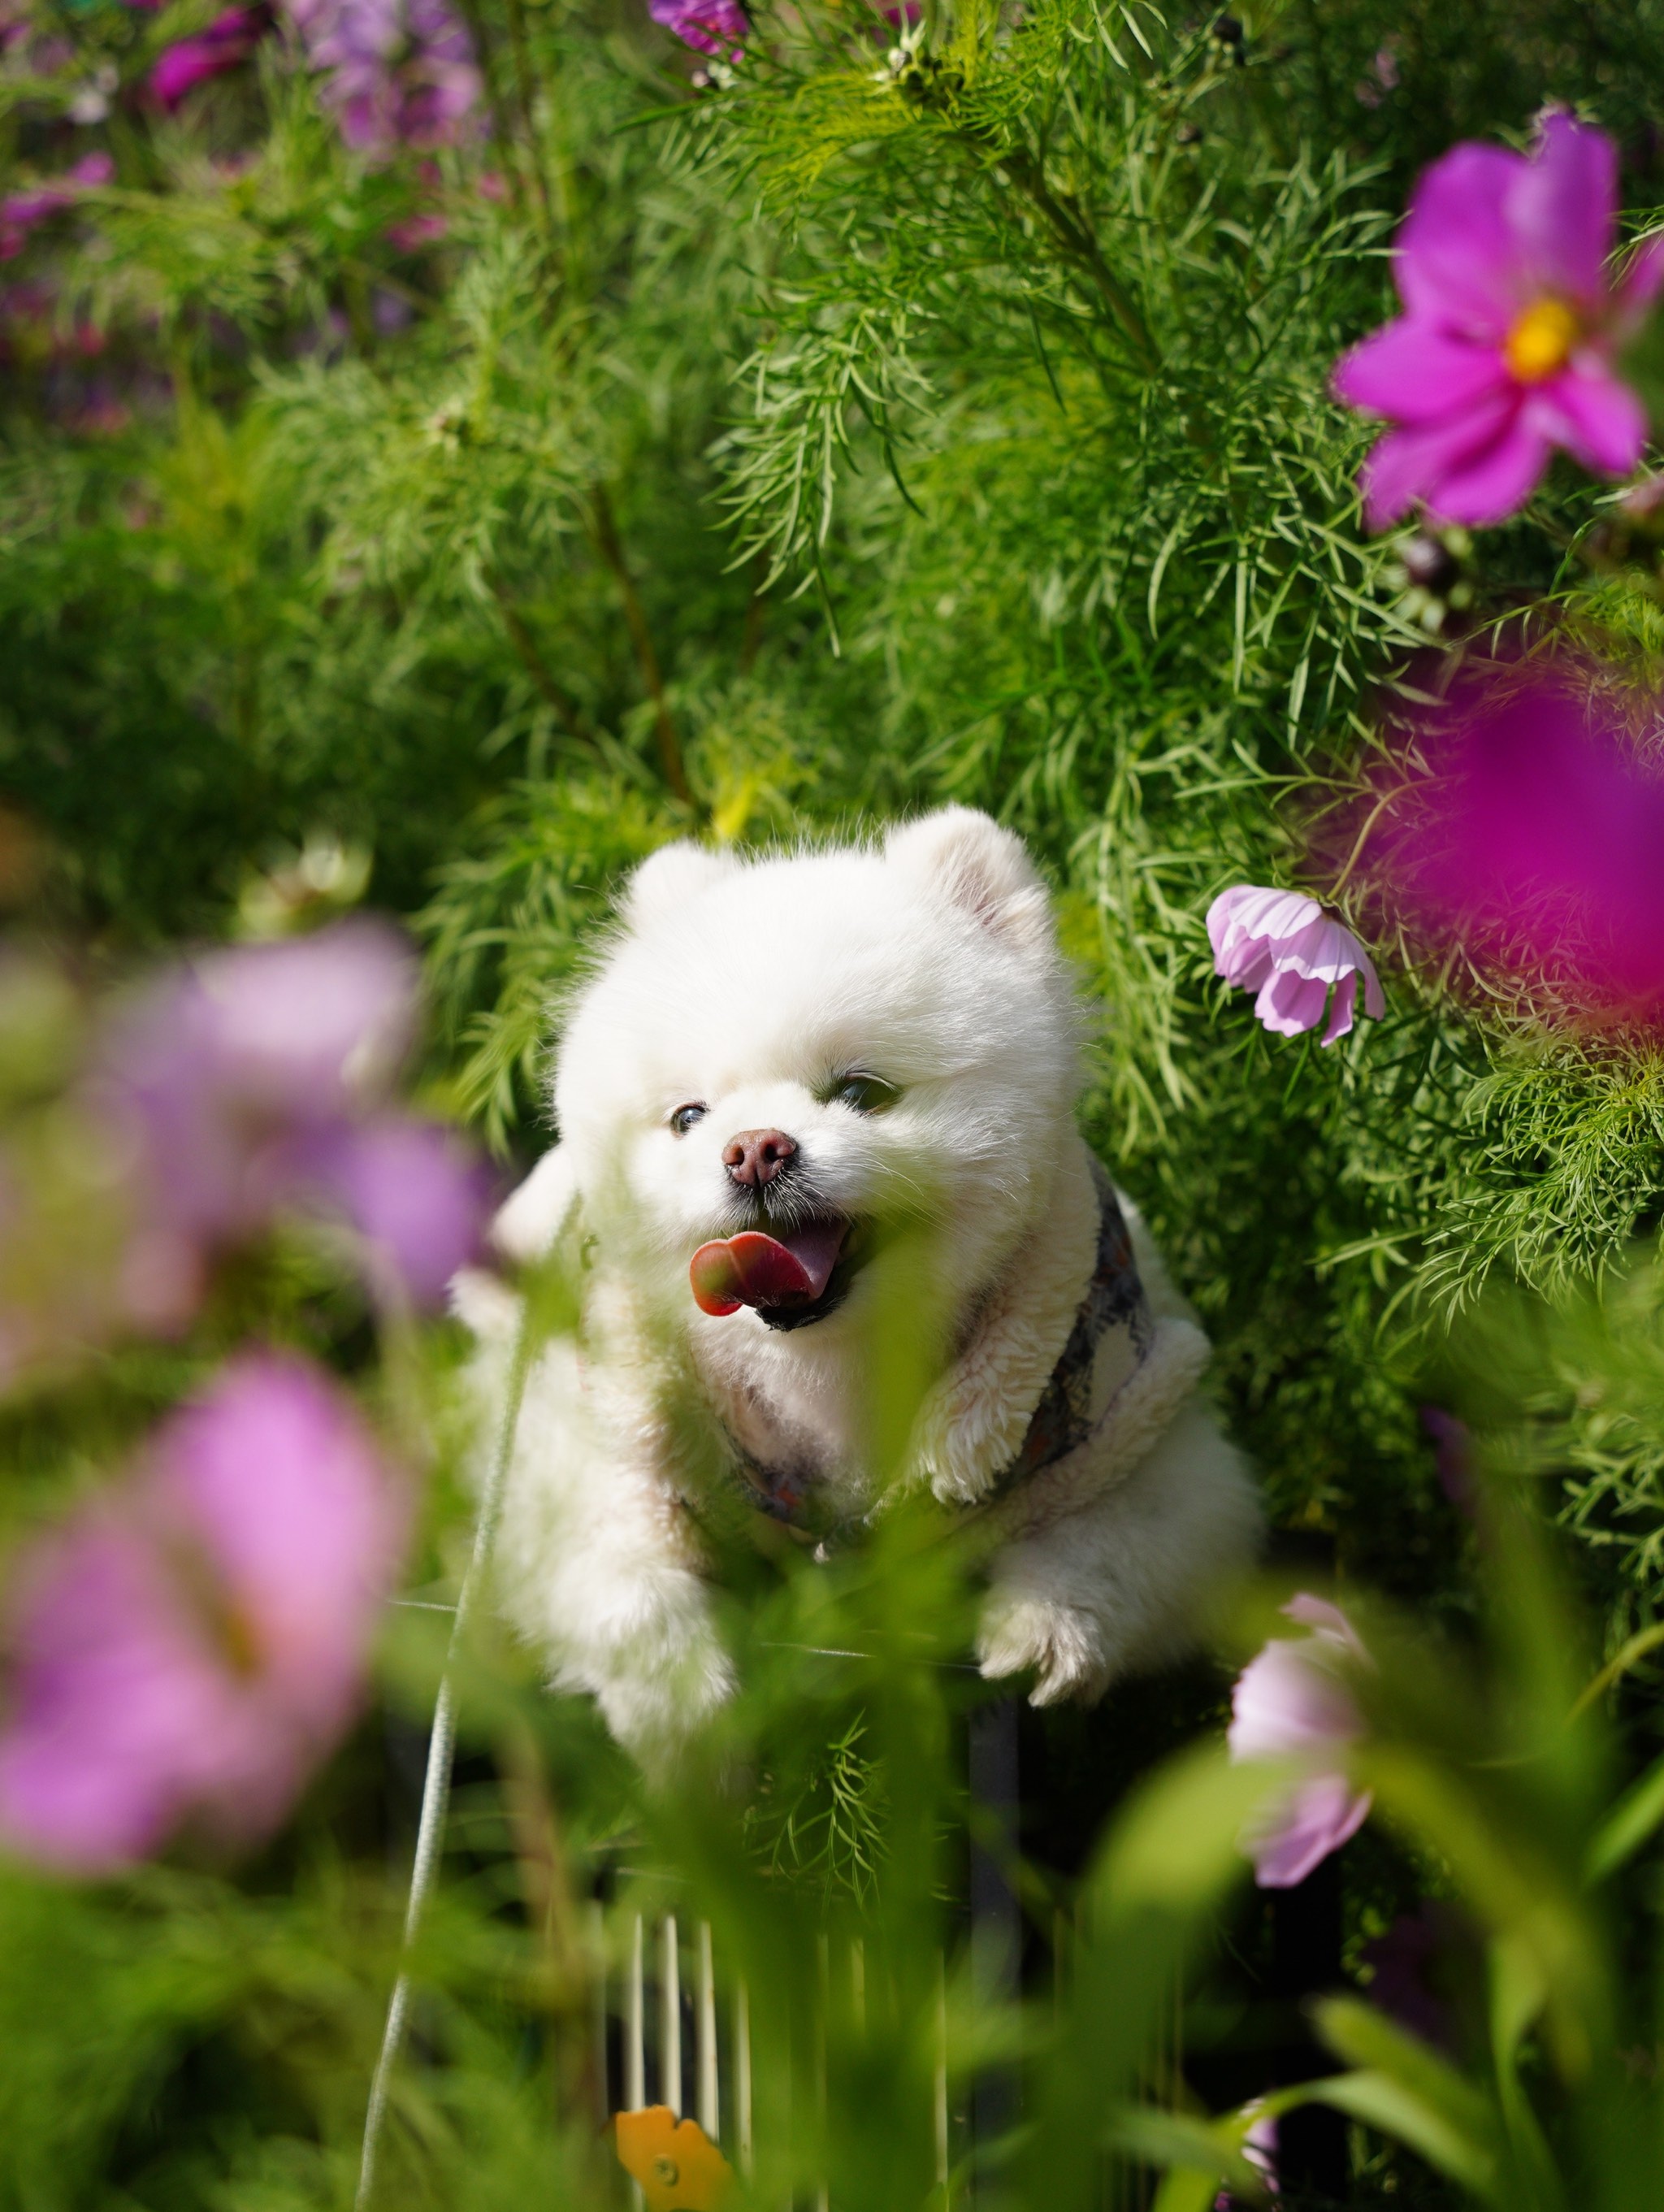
(1124, 1582)
(598, 1566)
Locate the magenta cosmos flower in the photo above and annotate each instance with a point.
(1533, 843)
(1511, 321)
(1282, 944)
(401, 72)
(228, 42)
(1291, 1704)
(715, 27)
(187, 1651)
(256, 1080)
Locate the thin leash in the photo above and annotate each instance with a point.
(441, 1750)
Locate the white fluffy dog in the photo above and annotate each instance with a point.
(785, 1078)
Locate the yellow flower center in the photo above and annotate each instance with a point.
(1541, 340)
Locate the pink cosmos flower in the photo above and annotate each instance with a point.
(256, 1079)
(1293, 1704)
(1281, 945)
(715, 27)
(20, 212)
(228, 42)
(411, 1191)
(401, 72)
(1533, 840)
(188, 1650)
(1512, 322)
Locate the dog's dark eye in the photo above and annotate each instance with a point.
(684, 1117)
(866, 1094)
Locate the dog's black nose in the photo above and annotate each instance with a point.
(756, 1156)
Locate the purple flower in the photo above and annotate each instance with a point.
(1281, 945)
(1505, 349)
(228, 41)
(189, 1650)
(414, 1196)
(254, 1081)
(1291, 1704)
(21, 212)
(1532, 841)
(715, 27)
(402, 72)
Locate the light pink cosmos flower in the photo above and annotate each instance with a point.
(256, 1079)
(188, 1651)
(1511, 323)
(1293, 1704)
(1283, 945)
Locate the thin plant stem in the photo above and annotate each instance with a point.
(524, 83)
(519, 636)
(611, 548)
(441, 1748)
(1075, 235)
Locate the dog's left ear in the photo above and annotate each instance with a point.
(971, 861)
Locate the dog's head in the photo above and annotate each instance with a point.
(781, 1061)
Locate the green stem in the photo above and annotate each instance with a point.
(1074, 234)
(610, 547)
(521, 51)
(519, 636)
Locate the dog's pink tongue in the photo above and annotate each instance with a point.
(755, 1270)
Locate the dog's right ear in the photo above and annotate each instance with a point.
(668, 878)
(966, 857)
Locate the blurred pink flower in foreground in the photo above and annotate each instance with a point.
(401, 72)
(255, 1080)
(228, 41)
(188, 1650)
(1291, 1705)
(1283, 945)
(21, 211)
(714, 26)
(1505, 349)
(1533, 843)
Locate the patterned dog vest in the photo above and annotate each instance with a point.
(1112, 1325)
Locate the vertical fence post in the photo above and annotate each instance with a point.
(706, 2105)
(669, 2017)
(597, 2009)
(635, 2054)
(743, 2077)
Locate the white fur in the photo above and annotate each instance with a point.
(749, 987)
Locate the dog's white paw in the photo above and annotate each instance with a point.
(1060, 1645)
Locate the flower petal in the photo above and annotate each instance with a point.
(1413, 372)
(1289, 1003)
(1563, 208)
(1488, 485)
(1459, 261)
(1413, 463)
(1340, 1011)
(1323, 1814)
(1594, 414)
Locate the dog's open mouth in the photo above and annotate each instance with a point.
(795, 1277)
